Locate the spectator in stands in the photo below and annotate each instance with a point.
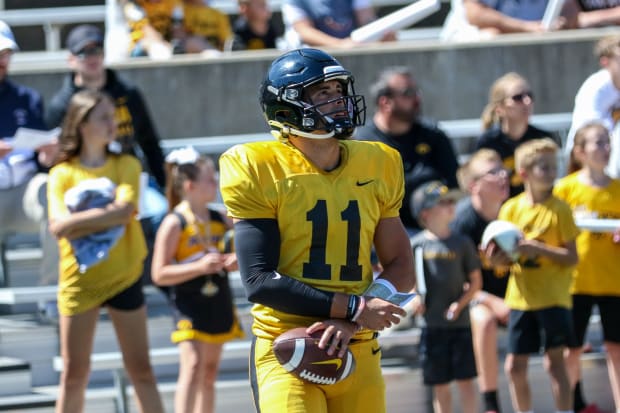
(426, 151)
(451, 270)
(479, 19)
(163, 27)
(595, 13)
(505, 121)
(23, 171)
(254, 28)
(136, 133)
(192, 259)
(88, 128)
(153, 25)
(593, 194)
(598, 99)
(484, 178)
(326, 23)
(538, 291)
(205, 29)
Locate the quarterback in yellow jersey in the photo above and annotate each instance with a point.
(594, 194)
(307, 209)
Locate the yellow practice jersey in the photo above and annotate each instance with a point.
(327, 220)
(196, 238)
(78, 292)
(207, 22)
(537, 282)
(596, 273)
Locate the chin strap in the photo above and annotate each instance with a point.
(285, 131)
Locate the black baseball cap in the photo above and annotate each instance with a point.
(429, 194)
(83, 35)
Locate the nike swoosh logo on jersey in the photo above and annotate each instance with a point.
(375, 351)
(337, 362)
(362, 183)
(277, 276)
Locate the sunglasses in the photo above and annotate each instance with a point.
(408, 92)
(495, 172)
(90, 51)
(521, 96)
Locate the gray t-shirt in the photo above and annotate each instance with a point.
(447, 265)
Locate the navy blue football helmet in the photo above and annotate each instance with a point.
(285, 106)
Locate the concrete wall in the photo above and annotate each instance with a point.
(193, 96)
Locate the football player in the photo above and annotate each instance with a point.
(308, 207)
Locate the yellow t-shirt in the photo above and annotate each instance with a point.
(327, 220)
(596, 273)
(78, 292)
(537, 282)
(207, 22)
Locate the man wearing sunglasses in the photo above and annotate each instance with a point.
(136, 132)
(426, 151)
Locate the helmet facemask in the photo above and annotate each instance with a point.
(334, 121)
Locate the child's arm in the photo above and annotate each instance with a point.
(164, 269)
(475, 284)
(79, 224)
(564, 255)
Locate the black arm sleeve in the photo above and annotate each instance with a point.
(257, 242)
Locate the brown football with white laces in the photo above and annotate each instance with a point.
(299, 354)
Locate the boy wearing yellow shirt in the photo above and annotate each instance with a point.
(538, 292)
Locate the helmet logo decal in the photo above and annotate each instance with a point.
(291, 94)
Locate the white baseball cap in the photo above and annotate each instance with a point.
(7, 40)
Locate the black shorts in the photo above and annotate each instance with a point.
(609, 309)
(203, 308)
(129, 299)
(528, 330)
(447, 354)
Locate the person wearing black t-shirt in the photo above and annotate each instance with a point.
(254, 28)
(505, 121)
(426, 151)
(484, 178)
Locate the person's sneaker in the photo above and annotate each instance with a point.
(591, 408)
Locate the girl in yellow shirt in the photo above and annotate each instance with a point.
(592, 193)
(114, 282)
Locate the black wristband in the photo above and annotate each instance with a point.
(352, 306)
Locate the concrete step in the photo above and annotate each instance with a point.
(14, 376)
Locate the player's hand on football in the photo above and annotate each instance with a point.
(529, 247)
(496, 256)
(336, 335)
(379, 314)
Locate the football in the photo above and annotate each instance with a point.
(505, 234)
(299, 354)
